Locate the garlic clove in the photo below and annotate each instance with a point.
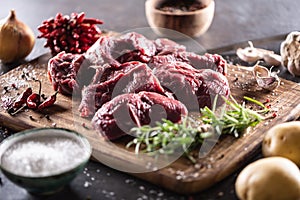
(272, 59)
(268, 83)
(248, 54)
(265, 78)
(251, 54)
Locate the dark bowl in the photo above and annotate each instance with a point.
(50, 183)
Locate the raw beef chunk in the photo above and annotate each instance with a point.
(207, 61)
(165, 46)
(117, 50)
(130, 77)
(62, 71)
(116, 117)
(194, 88)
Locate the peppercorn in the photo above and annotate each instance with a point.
(31, 118)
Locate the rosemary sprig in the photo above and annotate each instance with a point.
(167, 137)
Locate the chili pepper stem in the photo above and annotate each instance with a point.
(40, 88)
(17, 111)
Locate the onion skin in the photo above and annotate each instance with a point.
(16, 39)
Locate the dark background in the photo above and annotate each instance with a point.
(235, 21)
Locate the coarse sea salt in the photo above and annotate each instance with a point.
(43, 156)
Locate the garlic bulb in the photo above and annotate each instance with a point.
(290, 53)
(16, 39)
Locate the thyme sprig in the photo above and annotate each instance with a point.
(167, 137)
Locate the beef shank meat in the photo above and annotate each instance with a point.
(130, 77)
(62, 71)
(116, 117)
(120, 49)
(194, 88)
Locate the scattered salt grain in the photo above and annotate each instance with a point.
(152, 192)
(87, 184)
(220, 194)
(111, 193)
(160, 194)
(197, 166)
(195, 175)
(129, 181)
(266, 123)
(142, 187)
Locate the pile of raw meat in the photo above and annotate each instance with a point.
(129, 81)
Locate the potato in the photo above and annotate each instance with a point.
(283, 140)
(269, 178)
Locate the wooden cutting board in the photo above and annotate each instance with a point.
(181, 176)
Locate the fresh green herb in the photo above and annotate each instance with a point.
(167, 137)
(236, 119)
(265, 109)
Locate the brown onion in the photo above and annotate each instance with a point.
(16, 39)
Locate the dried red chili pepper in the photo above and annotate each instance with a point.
(48, 102)
(22, 98)
(33, 101)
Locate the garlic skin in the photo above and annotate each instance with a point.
(16, 39)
